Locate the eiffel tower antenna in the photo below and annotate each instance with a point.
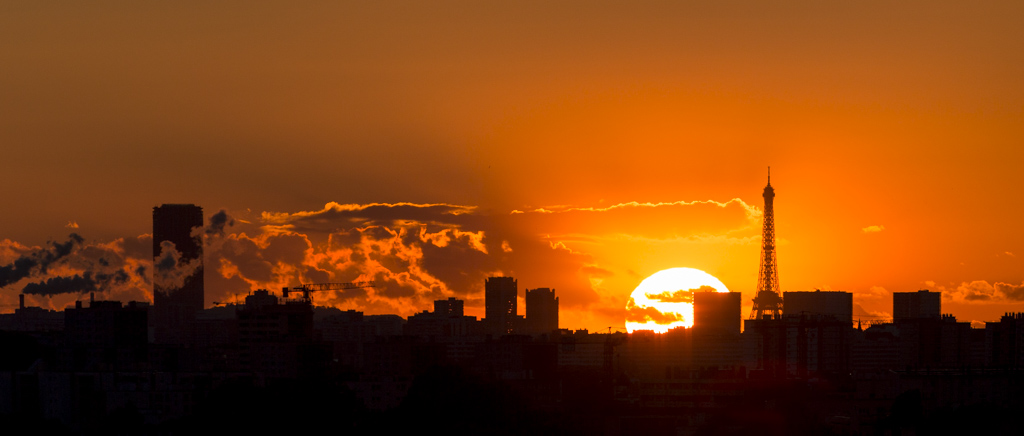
(768, 302)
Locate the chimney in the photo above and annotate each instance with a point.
(21, 300)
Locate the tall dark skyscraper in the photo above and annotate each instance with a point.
(541, 310)
(768, 301)
(177, 280)
(500, 306)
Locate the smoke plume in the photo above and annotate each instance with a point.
(37, 262)
(80, 284)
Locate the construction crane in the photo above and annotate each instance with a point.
(308, 289)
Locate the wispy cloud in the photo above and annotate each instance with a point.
(873, 229)
(752, 211)
(379, 211)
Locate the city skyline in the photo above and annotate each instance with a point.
(578, 147)
(58, 287)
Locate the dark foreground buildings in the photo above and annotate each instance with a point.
(809, 372)
(264, 361)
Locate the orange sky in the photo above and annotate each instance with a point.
(906, 118)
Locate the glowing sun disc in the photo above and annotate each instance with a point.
(665, 299)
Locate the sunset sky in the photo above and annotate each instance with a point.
(575, 145)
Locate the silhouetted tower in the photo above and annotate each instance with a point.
(178, 291)
(768, 300)
(541, 311)
(500, 304)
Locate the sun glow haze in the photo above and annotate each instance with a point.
(664, 300)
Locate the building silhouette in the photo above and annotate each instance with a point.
(715, 337)
(447, 320)
(922, 304)
(1004, 342)
(541, 311)
(837, 305)
(450, 308)
(717, 311)
(276, 336)
(178, 292)
(105, 334)
(500, 305)
(31, 318)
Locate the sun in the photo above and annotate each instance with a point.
(665, 299)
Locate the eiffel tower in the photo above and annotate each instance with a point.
(768, 302)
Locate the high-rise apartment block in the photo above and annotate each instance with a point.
(541, 311)
(500, 304)
(717, 312)
(178, 291)
(916, 305)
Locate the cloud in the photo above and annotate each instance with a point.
(445, 236)
(652, 221)
(977, 290)
(981, 291)
(71, 225)
(679, 296)
(405, 263)
(646, 315)
(873, 229)
(874, 294)
(335, 216)
(218, 222)
(752, 211)
(595, 271)
(171, 270)
(1010, 292)
(269, 260)
(422, 251)
(860, 312)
